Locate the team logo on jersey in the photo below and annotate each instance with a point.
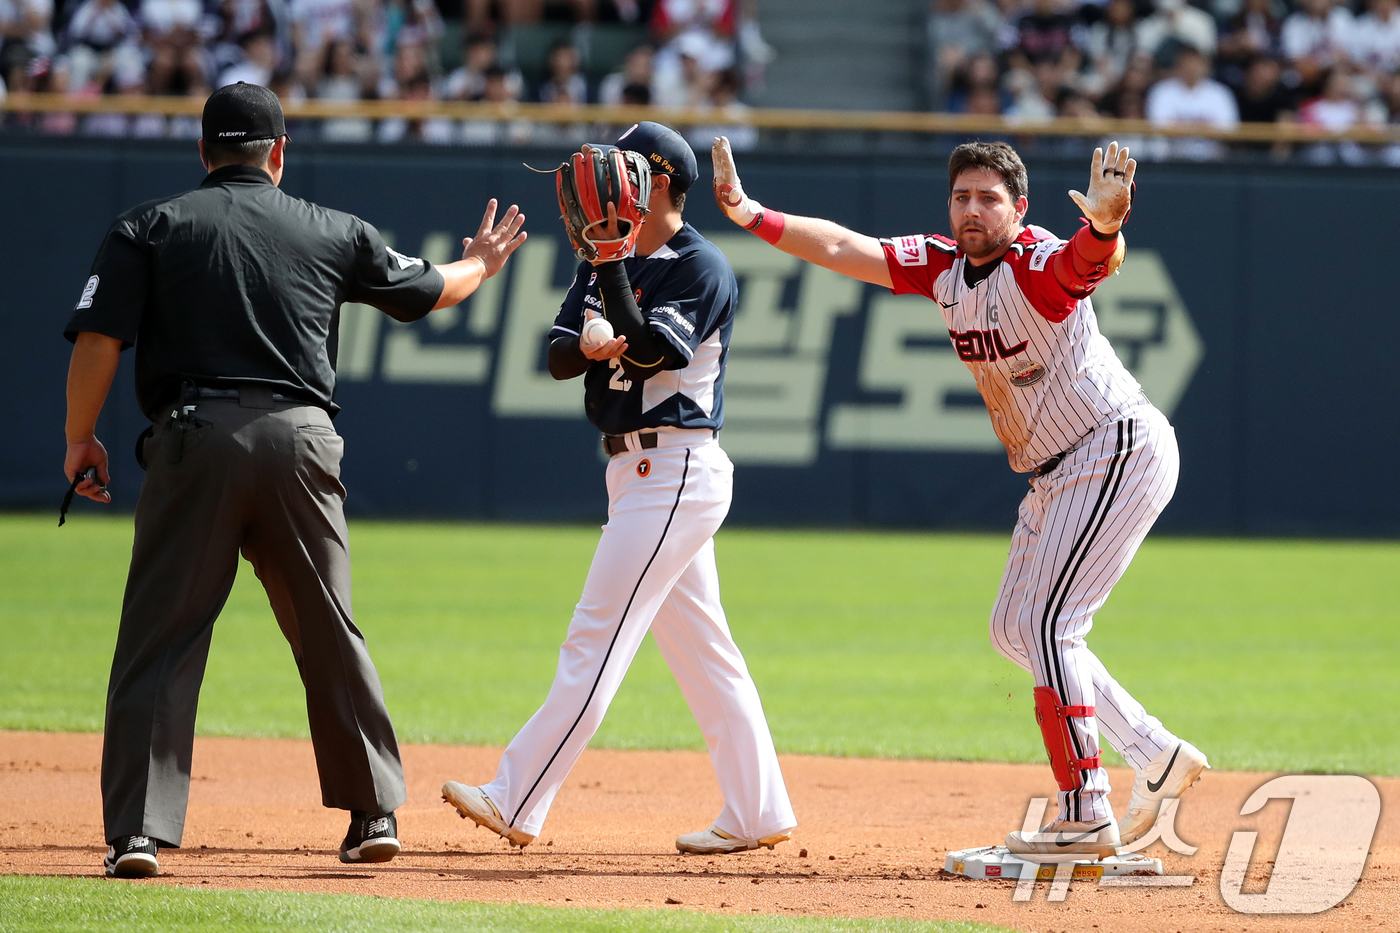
(592, 278)
(1026, 374)
(643, 467)
(983, 346)
(911, 251)
(89, 290)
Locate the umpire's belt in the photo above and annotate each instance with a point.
(248, 395)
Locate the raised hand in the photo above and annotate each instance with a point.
(494, 242)
(1110, 194)
(729, 193)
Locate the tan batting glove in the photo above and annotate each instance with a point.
(1110, 194)
(729, 193)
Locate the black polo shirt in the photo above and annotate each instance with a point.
(237, 282)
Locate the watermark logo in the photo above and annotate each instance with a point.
(1323, 850)
(1319, 862)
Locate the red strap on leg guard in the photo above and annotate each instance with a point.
(1054, 729)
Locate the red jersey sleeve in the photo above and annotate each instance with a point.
(1055, 275)
(916, 262)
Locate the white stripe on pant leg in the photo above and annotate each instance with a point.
(694, 638)
(656, 523)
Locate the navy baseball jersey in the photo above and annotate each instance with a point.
(687, 293)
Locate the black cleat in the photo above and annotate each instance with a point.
(131, 857)
(370, 838)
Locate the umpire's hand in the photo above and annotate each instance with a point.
(494, 242)
(90, 373)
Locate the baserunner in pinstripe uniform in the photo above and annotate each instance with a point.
(1103, 460)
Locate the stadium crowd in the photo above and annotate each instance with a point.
(678, 53)
(1332, 64)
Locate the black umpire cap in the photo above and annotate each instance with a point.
(665, 149)
(242, 112)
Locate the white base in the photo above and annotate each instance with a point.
(998, 862)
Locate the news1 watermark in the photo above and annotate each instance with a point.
(1320, 858)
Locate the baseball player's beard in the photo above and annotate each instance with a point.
(991, 241)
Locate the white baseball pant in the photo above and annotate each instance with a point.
(654, 569)
(1077, 530)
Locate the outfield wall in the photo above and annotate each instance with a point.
(1256, 308)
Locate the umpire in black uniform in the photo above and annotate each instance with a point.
(231, 295)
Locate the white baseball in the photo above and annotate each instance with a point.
(595, 333)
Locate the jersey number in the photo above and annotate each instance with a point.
(616, 381)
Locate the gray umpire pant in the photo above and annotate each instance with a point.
(265, 480)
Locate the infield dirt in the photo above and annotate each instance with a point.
(872, 840)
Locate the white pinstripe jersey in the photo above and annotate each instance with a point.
(1046, 374)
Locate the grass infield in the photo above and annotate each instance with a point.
(1270, 655)
(64, 905)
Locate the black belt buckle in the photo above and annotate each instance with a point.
(614, 444)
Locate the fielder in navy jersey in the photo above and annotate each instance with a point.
(1103, 460)
(687, 292)
(656, 392)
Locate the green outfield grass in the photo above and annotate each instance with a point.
(1267, 654)
(63, 905)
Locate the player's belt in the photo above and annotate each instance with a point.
(1050, 464)
(614, 444)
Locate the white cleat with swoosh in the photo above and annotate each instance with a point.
(1095, 838)
(1166, 777)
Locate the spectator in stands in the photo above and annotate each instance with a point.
(468, 82)
(724, 100)
(1036, 98)
(1336, 110)
(25, 34)
(1127, 99)
(481, 15)
(1191, 96)
(1263, 98)
(237, 21)
(317, 25)
(982, 101)
(700, 31)
(566, 85)
(979, 73)
(958, 30)
(1252, 32)
(171, 32)
(1315, 37)
(413, 22)
(1113, 42)
(681, 77)
(715, 20)
(636, 70)
(343, 80)
(636, 95)
(498, 89)
(1174, 24)
(1044, 33)
(411, 79)
(258, 62)
(103, 45)
(1375, 41)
